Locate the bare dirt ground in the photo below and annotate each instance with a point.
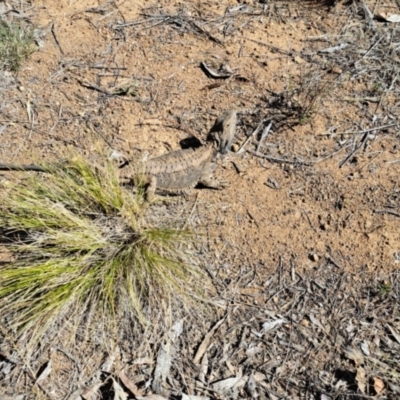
(303, 244)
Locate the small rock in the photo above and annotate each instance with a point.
(235, 147)
(297, 215)
(336, 70)
(314, 257)
(368, 224)
(298, 60)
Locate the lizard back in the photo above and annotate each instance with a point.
(177, 170)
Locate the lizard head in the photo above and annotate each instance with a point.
(223, 131)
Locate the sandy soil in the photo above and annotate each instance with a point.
(307, 213)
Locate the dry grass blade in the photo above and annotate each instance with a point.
(206, 341)
(78, 240)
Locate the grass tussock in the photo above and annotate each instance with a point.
(16, 44)
(77, 240)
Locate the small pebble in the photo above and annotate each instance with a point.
(304, 322)
(336, 70)
(298, 60)
(297, 215)
(235, 147)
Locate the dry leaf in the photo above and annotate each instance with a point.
(119, 393)
(259, 377)
(393, 18)
(271, 396)
(29, 111)
(143, 360)
(92, 393)
(129, 384)
(316, 322)
(361, 379)
(3, 128)
(176, 330)
(163, 366)
(107, 364)
(389, 18)
(203, 368)
(204, 344)
(45, 373)
(86, 393)
(394, 387)
(231, 368)
(76, 395)
(340, 46)
(341, 384)
(226, 384)
(6, 367)
(355, 355)
(365, 348)
(252, 386)
(394, 333)
(223, 73)
(151, 397)
(268, 326)
(378, 385)
(165, 356)
(252, 351)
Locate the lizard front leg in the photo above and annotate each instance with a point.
(208, 181)
(151, 187)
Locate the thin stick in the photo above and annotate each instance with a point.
(264, 135)
(286, 53)
(22, 167)
(353, 153)
(369, 16)
(370, 49)
(56, 40)
(250, 137)
(332, 154)
(280, 160)
(129, 24)
(94, 87)
(103, 137)
(364, 131)
(104, 67)
(387, 212)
